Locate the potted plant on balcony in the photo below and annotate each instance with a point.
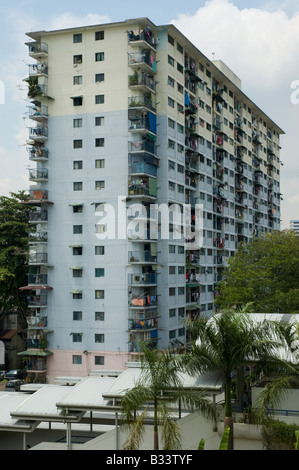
(133, 79)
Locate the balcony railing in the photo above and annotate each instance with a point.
(143, 35)
(38, 113)
(38, 258)
(141, 101)
(38, 175)
(144, 60)
(40, 322)
(38, 237)
(141, 279)
(37, 154)
(143, 146)
(143, 168)
(143, 80)
(38, 69)
(141, 190)
(142, 125)
(38, 216)
(142, 257)
(37, 301)
(37, 279)
(36, 90)
(143, 325)
(38, 195)
(38, 133)
(36, 48)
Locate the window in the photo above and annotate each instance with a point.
(99, 99)
(99, 35)
(99, 338)
(78, 101)
(181, 290)
(100, 228)
(100, 142)
(171, 123)
(171, 61)
(77, 273)
(77, 359)
(99, 77)
(77, 122)
(78, 80)
(171, 248)
(170, 40)
(78, 186)
(171, 165)
(170, 102)
(77, 59)
(99, 121)
(78, 144)
(77, 229)
(77, 316)
(100, 163)
(171, 291)
(172, 313)
(78, 165)
(99, 316)
(99, 294)
(181, 269)
(171, 186)
(77, 295)
(180, 68)
(180, 48)
(171, 269)
(99, 56)
(181, 250)
(99, 272)
(99, 360)
(180, 88)
(77, 337)
(77, 38)
(99, 185)
(172, 334)
(77, 251)
(99, 250)
(171, 82)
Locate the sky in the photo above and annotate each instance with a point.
(258, 41)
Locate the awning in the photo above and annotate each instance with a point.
(36, 288)
(35, 352)
(76, 204)
(76, 268)
(9, 334)
(76, 292)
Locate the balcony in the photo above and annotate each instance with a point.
(142, 279)
(145, 187)
(38, 217)
(36, 322)
(190, 106)
(38, 49)
(140, 324)
(144, 61)
(36, 90)
(38, 70)
(38, 154)
(143, 37)
(37, 301)
(38, 134)
(38, 113)
(37, 279)
(38, 176)
(38, 196)
(143, 169)
(38, 237)
(144, 101)
(142, 81)
(38, 258)
(144, 302)
(142, 122)
(143, 146)
(142, 257)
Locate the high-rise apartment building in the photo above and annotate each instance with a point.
(294, 225)
(125, 116)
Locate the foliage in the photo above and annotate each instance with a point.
(278, 435)
(13, 252)
(296, 444)
(265, 272)
(159, 385)
(223, 444)
(231, 340)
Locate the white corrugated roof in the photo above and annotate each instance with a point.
(8, 402)
(87, 393)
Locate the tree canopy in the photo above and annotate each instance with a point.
(264, 272)
(13, 252)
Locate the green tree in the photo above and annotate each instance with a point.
(159, 384)
(265, 272)
(231, 340)
(13, 253)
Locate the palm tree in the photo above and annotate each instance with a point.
(159, 384)
(229, 341)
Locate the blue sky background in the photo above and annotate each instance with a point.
(258, 40)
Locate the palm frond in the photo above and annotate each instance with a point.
(136, 432)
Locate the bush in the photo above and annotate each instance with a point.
(278, 435)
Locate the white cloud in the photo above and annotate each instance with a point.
(261, 46)
(69, 20)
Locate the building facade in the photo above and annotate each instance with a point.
(294, 225)
(126, 118)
